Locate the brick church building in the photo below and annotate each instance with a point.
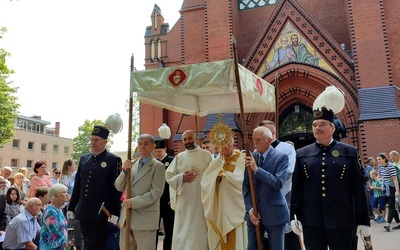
(301, 47)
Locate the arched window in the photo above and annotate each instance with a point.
(159, 48)
(297, 119)
(153, 44)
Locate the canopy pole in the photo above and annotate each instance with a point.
(197, 130)
(246, 142)
(129, 157)
(276, 105)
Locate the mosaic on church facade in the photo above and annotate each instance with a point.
(292, 47)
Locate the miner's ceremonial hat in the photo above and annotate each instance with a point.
(161, 143)
(330, 102)
(100, 131)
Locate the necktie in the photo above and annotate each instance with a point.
(261, 160)
(140, 165)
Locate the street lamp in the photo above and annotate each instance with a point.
(164, 131)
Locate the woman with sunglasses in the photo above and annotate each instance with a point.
(56, 176)
(390, 188)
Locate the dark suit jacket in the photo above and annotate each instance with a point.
(164, 201)
(3, 215)
(268, 182)
(94, 184)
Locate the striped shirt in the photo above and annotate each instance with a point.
(387, 172)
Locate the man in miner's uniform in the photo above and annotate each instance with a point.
(94, 185)
(329, 202)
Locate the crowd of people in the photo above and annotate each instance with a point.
(273, 198)
(31, 215)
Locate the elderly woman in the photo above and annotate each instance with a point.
(24, 171)
(390, 186)
(22, 188)
(40, 179)
(53, 233)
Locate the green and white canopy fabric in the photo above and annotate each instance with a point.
(204, 88)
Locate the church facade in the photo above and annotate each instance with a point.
(301, 47)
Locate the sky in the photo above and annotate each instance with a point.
(72, 57)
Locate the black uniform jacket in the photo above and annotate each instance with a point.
(328, 189)
(164, 201)
(94, 184)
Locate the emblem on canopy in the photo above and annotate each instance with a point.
(177, 77)
(259, 86)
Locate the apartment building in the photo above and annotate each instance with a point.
(34, 141)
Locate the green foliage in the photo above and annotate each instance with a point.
(82, 140)
(8, 104)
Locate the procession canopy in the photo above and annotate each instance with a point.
(204, 88)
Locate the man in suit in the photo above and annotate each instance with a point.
(291, 240)
(94, 185)
(147, 185)
(269, 168)
(166, 213)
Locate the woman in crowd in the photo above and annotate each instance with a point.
(22, 188)
(40, 179)
(55, 176)
(53, 232)
(390, 188)
(68, 175)
(24, 171)
(12, 203)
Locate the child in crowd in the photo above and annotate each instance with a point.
(13, 199)
(378, 201)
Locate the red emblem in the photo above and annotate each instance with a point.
(259, 86)
(177, 77)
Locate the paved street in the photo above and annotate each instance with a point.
(381, 240)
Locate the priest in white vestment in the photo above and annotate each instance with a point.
(221, 192)
(184, 175)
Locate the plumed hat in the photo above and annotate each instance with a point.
(328, 103)
(100, 131)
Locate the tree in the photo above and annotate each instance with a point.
(81, 144)
(8, 104)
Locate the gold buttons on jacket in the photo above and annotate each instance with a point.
(323, 175)
(343, 171)
(305, 171)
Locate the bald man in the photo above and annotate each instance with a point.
(184, 176)
(23, 229)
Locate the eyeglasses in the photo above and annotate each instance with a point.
(57, 172)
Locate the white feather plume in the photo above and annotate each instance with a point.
(114, 123)
(331, 98)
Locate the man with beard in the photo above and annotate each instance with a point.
(184, 176)
(301, 51)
